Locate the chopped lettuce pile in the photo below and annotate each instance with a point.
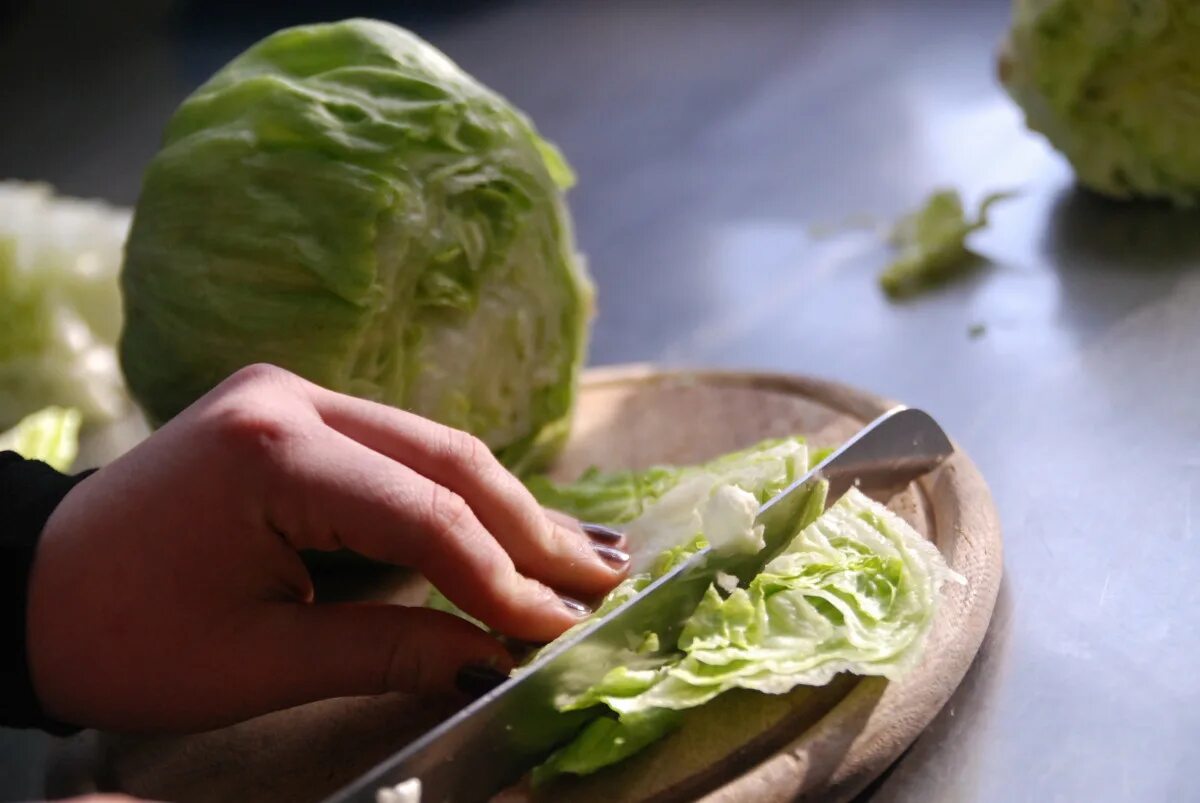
(344, 201)
(931, 244)
(854, 590)
(50, 435)
(59, 262)
(1114, 86)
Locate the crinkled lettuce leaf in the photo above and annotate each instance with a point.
(856, 590)
(50, 435)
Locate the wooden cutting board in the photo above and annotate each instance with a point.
(811, 744)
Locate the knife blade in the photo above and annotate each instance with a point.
(491, 743)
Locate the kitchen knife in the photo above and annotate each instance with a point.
(491, 743)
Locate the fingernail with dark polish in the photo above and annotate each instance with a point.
(598, 532)
(612, 556)
(477, 680)
(575, 606)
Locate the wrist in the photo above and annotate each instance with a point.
(32, 491)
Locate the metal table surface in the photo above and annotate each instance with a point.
(710, 138)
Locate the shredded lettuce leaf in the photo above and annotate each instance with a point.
(855, 590)
(50, 435)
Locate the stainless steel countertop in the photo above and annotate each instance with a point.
(710, 138)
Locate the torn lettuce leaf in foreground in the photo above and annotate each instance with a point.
(855, 591)
(931, 243)
(50, 435)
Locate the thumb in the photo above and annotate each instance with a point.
(348, 649)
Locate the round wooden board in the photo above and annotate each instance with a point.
(811, 744)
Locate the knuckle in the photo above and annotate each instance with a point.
(446, 512)
(466, 452)
(251, 431)
(405, 669)
(260, 372)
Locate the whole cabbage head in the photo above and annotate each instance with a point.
(1115, 86)
(343, 201)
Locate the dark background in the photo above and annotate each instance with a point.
(712, 140)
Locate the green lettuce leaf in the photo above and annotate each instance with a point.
(607, 740)
(855, 591)
(50, 435)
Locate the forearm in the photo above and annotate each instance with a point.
(29, 492)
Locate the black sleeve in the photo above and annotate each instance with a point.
(29, 492)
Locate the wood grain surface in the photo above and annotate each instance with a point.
(811, 744)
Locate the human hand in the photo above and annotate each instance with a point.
(167, 592)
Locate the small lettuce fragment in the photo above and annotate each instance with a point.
(439, 602)
(50, 435)
(932, 244)
(405, 792)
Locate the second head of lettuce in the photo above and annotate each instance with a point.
(343, 201)
(1113, 85)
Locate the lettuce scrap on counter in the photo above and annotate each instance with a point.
(931, 244)
(854, 590)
